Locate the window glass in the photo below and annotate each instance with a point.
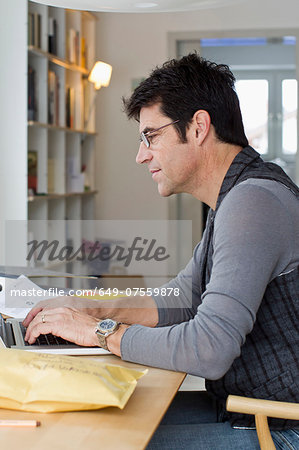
(289, 117)
(254, 97)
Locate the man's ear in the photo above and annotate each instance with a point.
(201, 124)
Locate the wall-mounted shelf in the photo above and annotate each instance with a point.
(35, 198)
(32, 123)
(56, 60)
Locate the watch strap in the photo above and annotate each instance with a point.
(102, 340)
(102, 337)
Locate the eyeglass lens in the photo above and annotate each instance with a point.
(144, 139)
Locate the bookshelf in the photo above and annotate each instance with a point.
(61, 183)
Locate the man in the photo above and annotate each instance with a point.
(241, 330)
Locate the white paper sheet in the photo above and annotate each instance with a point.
(19, 295)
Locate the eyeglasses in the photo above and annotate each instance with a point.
(143, 136)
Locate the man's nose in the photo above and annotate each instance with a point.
(144, 154)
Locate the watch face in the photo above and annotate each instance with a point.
(107, 324)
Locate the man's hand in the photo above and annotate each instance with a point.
(85, 306)
(75, 319)
(69, 323)
(130, 310)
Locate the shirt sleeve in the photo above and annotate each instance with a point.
(174, 301)
(252, 243)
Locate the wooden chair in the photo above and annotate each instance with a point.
(261, 409)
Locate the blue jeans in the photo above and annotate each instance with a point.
(191, 423)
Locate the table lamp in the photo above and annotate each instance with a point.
(100, 76)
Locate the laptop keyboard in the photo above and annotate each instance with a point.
(46, 339)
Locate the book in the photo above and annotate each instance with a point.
(77, 48)
(57, 89)
(51, 176)
(70, 107)
(32, 170)
(32, 101)
(52, 35)
(30, 30)
(35, 30)
(71, 45)
(86, 103)
(83, 52)
(53, 98)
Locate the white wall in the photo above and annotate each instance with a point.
(134, 44)
(13, 108)
(13, 115)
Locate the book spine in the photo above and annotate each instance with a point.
(55, 37)
(72, 46)
(72, 107)
(32, 170)
(67, 108)
(32, 110)
(52, 36)
(33, 29)
(30, 40)
(51, 176)
(83, 54)
(37, 31)
(57, 101)
(54, 84)
(51, 97)
(86, 102)
(77, 48)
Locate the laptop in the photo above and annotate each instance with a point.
(12, 333)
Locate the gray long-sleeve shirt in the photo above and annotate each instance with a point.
(256, 238)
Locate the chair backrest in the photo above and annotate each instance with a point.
(261, 409)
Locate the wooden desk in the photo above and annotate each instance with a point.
(108, 428)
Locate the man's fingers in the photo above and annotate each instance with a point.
(40, 328)
(60, 322)
(54, 318)
(43, 323)
(30, 316)
(53, 304)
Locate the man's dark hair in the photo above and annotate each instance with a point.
(186, 85)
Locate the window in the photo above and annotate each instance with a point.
(289, 117)
(268, 101)
(255, 113)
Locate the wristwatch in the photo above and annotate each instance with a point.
(103, 329)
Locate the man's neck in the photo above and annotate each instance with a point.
(217, 162)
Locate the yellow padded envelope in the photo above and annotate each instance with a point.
(49, 383)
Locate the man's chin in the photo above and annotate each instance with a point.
(164, 192)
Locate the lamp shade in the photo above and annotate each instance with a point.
(100, 74)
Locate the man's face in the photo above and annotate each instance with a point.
(172, 164)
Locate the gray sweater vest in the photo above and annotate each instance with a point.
(268, 366)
